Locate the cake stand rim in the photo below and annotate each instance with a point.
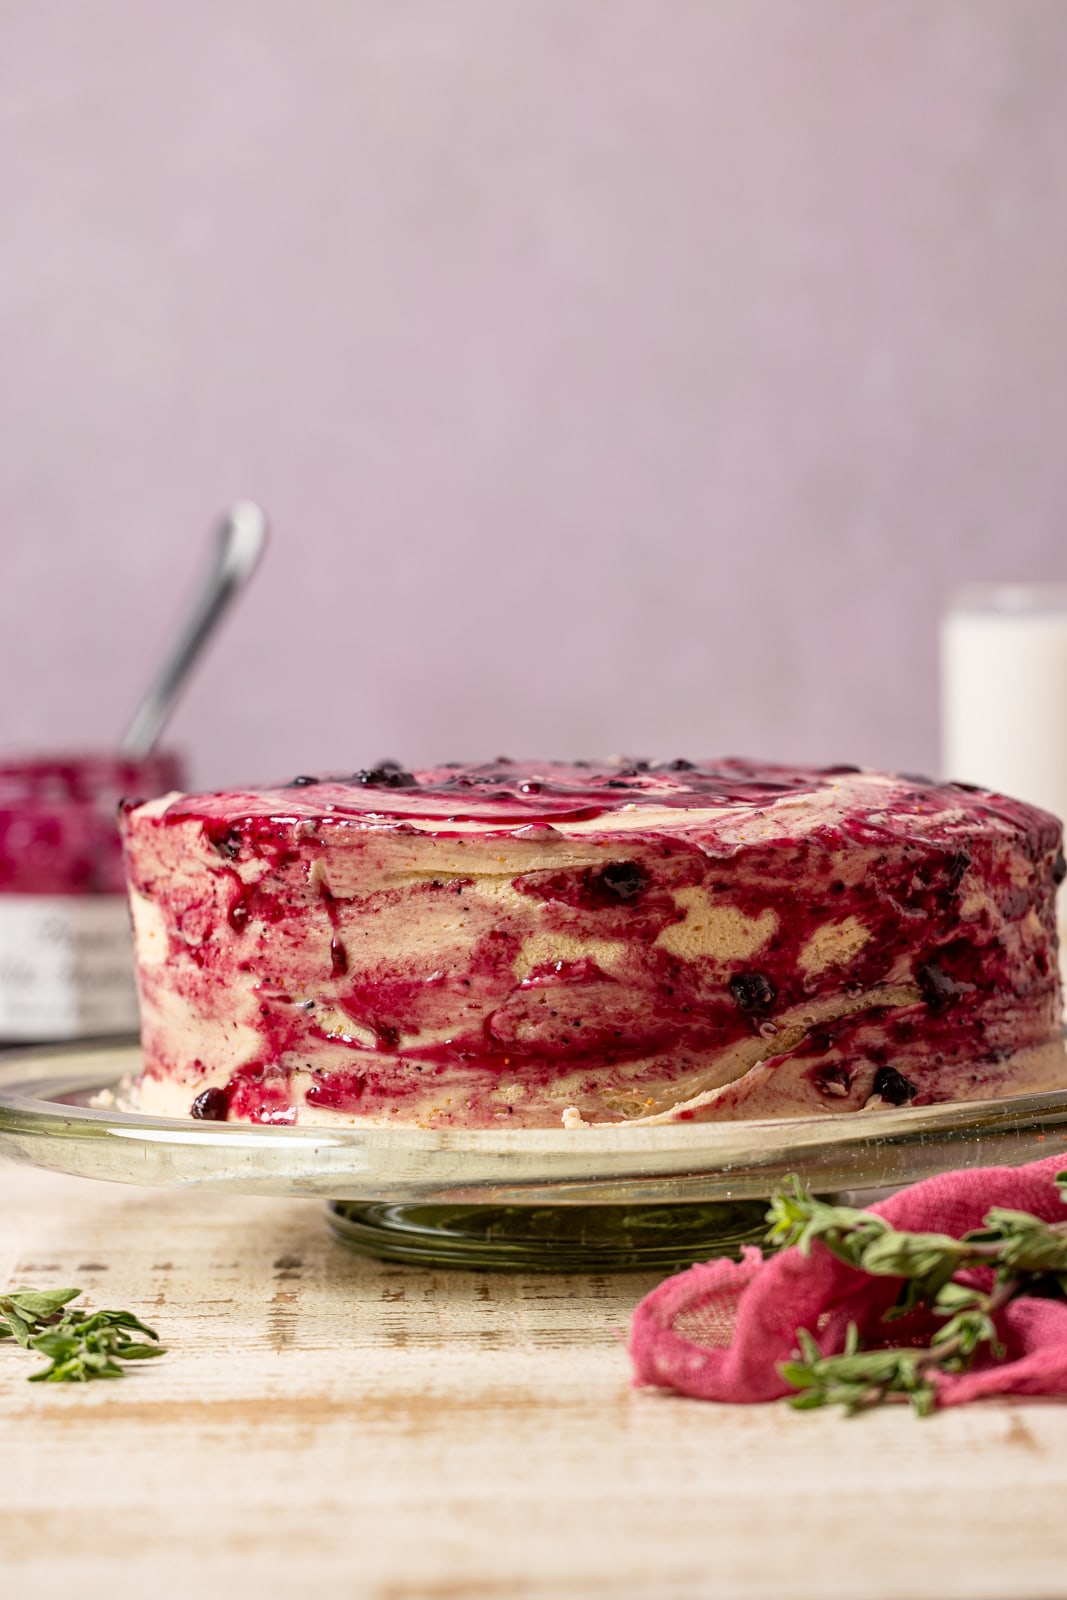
(578, 1166)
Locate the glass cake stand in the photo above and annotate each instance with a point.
(603, 1199)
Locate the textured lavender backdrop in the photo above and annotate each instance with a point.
(618, 373)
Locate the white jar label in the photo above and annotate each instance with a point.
(66, 966)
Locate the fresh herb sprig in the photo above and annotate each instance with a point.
(1026, 1256)
(78, 1345)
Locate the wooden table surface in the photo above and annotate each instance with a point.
(390, 1432)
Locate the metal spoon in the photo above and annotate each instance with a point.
(242, 538)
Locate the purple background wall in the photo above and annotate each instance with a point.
(618, 374)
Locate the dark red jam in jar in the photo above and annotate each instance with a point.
(66, 960)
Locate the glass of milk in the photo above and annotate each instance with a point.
(1004, 691)
(1004, 696)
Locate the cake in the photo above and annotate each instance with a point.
(537, 944)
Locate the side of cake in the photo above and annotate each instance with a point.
(531, 943)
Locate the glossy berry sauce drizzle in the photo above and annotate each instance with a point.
(638, 922)
(510, 793)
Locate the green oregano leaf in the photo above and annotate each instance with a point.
(40, 1302)
(77, 1345)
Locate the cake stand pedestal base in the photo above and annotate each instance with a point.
(662, 1238)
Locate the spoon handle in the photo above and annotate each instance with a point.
(242, 538)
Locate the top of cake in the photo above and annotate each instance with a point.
(732, 800)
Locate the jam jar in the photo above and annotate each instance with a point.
(66, 954)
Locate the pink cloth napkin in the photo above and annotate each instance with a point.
(718, 1331)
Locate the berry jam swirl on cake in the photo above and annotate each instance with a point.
(526, 944)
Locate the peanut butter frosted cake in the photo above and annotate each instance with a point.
(529, 944)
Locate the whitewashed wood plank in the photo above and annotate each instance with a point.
(389, 1432)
